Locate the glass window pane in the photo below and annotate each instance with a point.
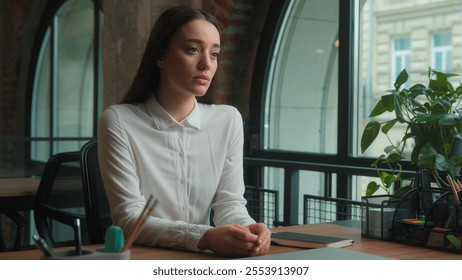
(442, 39)
(274, 180)
(63, 95)
(40, 120)
(391, 36)
(442, 52)
(301, 105)
(74, 96)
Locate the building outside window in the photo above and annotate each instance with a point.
(407, 33)
(442, 52)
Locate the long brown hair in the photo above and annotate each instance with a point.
(147, 77)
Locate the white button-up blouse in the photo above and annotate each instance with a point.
(189, 166)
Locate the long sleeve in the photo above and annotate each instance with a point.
(190, 167)
(229, 205)
(122, 185)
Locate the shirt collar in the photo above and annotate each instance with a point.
(163, 120)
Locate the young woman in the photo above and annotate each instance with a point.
(188, 155)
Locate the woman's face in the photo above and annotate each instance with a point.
(190, 62)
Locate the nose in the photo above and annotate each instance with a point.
(205, 62)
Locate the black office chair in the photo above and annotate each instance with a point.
(20, 224)
(59, 200)
(96, 204)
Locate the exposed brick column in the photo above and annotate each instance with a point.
(14, 15)
(240, 37)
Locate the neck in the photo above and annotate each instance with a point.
(178, 108)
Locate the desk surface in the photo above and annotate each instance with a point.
(372, 246)
(21, 186)
(18, 193)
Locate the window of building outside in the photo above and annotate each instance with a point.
(442, 52)
(63, 98)
(392, 35)
(400, 57)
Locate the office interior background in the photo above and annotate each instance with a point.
(303, 73)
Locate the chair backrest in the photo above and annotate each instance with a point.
(96, 203)
(59, 199)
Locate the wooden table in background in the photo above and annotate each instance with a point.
(18, 193)
(372, 246)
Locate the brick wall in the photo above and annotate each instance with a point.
(13, 19)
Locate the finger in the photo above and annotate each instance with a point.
(243, 234)
(262, 231)
(263, 245)
(243, 245)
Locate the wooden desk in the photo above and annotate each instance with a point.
(372, 246)
(18, 193)
(21, 186)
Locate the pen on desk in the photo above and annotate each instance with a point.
(78, 245)
(147, 210)
(43, 246)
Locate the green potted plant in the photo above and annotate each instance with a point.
(432, 119)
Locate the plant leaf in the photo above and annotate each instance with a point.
(378, 109)
(401, 79)
(388, 101)
(427, 156)
(398, 110)
(395, 157)
(388, 125)
(388, 179)
(371, 131)
(428, 117)
(402, 191)
(449, 119)
(372, 187)
(454, 241)
(443, 164)
(389, 149)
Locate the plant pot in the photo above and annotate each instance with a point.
(377, 216)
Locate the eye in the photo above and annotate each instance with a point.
(192, 50)
(215, 55)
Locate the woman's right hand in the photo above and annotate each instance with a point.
(229, 240)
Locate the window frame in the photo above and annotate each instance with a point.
(344, 165)
(46, 26)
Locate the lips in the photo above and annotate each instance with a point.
(202, 78)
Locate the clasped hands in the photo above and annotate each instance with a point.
(235, 240)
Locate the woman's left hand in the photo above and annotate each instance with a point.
(263, 241)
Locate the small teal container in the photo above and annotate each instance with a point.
(114, 240)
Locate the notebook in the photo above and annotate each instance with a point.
(326, 253)
(303, 240)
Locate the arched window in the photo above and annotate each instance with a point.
(301, 95)
(66, 90)
(299, 109)
(319, 70)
